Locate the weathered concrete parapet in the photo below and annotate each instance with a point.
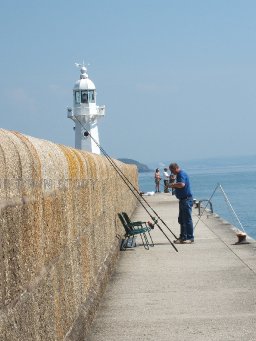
(58, 227)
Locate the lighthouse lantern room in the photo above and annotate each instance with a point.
(85, 113)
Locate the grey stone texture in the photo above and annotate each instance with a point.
(58, 228)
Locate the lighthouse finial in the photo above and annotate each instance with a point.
(83, 70)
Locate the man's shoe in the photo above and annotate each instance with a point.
(178, 241)
(188, 241)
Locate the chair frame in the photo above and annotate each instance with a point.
(142, 224)
(131, 232)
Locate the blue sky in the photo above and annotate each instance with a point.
(178, 78)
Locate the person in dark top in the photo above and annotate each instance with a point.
(184, 195)
(157, 180)
(166, 180)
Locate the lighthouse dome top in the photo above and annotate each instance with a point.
(84, 83)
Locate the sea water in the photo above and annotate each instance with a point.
(238, 181)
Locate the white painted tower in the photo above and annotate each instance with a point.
(85, 113)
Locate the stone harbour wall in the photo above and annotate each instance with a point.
(58, 230)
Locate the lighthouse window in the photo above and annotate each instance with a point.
(78, 97)
(84, 95)
(91, 96)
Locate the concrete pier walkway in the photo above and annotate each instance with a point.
(206, 291)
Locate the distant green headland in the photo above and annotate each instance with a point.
(141, 167)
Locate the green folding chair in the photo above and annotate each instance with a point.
(131, 232)
(140, 224)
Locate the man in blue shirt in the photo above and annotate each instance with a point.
(184, 194)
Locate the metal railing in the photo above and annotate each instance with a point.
(200, 206)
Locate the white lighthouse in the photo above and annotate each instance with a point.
(85, 113)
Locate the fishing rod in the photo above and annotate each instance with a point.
(125, 179)
(229, 204)
(137, 196)
(131, 187)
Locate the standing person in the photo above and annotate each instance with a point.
(157, 180)
(166, 180)
(184, 194)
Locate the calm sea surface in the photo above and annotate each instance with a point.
(237, 178)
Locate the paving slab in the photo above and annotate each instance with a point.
(205, 291)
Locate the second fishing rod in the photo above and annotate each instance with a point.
(132, 188)
(136, 194)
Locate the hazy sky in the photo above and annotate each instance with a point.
(178, 77)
